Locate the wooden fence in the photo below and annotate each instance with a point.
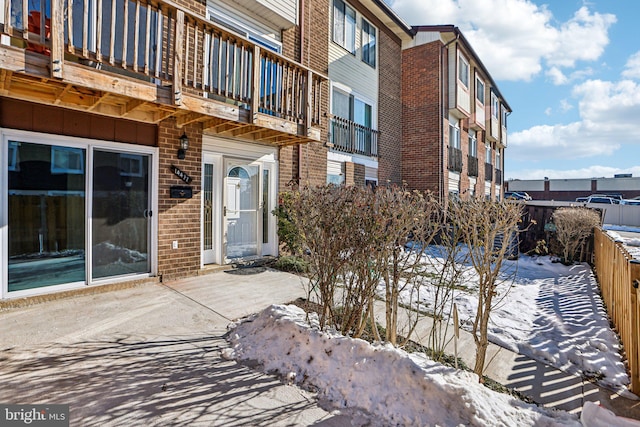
(619, 275)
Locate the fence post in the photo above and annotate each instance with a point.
(633, 355)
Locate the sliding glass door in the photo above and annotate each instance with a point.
(76, 212)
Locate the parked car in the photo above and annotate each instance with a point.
(581, 199)
(634, 202)
(516, 195)
(601, 199)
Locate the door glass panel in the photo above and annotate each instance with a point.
(120, 214)
(241, 202)
(46, 208)
(207, 195)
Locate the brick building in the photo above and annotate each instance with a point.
(148, 141)
(455, 118)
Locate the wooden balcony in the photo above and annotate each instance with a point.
(498, 177)
(351, 137)
(148, 61)
(488, 172)
(472, 165)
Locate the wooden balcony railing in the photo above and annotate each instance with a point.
(161, 43)
(472, 165)
(455, 159)
(351, 137)
(488, 172)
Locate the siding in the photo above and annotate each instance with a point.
(244, 17)
(453, 70)
(288, 9)
(349, 69)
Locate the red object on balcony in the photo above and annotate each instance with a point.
(34, 28)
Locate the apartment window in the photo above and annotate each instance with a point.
(344, 25)
(495, 106)
(499, 159)
(463, 71)
(480, 90)
(487, 154)
(252, 34)
(473, 143)
(504, 116)
(454, 134)
(351, 108)
(368, 43)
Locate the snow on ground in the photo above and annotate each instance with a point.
(381, 384)
(552, 313)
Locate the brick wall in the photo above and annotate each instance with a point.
(354, 174)
(311, 158)
(178, 219)
(422, 168)
(390, 110)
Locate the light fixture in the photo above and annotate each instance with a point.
(184, 146)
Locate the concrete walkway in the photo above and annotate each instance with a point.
(151, 355)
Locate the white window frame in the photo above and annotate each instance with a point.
(339, 33)
(498, 165)
(488, 158)
(366, 40)
(243, 30)
(504, 116)
(353, 97)
(480, 93)
(463, 72)
(132, 158)
(495, 106)
(12, 156)
(454, 133)
(473, 143)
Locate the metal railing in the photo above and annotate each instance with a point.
(488, 172)
(472, 165)
(455, 159)
(351, 137)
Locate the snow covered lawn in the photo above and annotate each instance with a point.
(382, 385)
(551, 313)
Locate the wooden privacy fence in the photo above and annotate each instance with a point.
(619, 275)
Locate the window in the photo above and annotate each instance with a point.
(487, 154)
(351, 108)
(473, 143)
(252, 34)
(498, 159)
(463, 71)
(505, 113)
(495, 106)
(344, 25)
(66, 160)
(368, 43)
(480, 91)
(454, 134)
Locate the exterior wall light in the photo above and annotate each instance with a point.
(184, 146)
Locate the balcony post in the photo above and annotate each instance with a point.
(308, 103)
(177, 58)
(56, 37)
(255, 84)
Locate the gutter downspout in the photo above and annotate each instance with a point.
(442, 112)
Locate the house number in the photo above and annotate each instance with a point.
(180, 174)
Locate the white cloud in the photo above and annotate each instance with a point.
(557, 76)
(565, 105)
(608, 115)
(548, 111)
(595, 171)
(632, 67)
(515, 39)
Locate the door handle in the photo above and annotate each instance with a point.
(147, 213)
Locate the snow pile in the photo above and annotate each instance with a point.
(631, 244)
(394, 388)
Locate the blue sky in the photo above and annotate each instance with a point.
(569, 69)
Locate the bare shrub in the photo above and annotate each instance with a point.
(488, 229)
(573, 227)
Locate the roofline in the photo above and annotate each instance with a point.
(394, 17)
(458, 33)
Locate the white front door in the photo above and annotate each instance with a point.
(242, 209)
